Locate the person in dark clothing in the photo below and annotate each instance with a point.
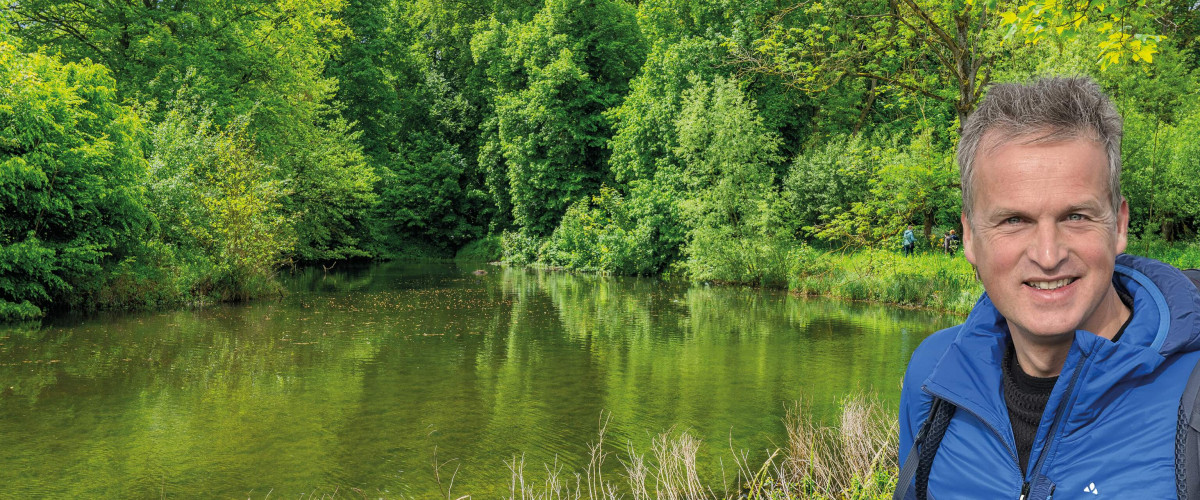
(950, 243)
(909, 242)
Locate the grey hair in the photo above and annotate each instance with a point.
(1044, 110)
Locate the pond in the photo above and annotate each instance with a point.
(397, 380)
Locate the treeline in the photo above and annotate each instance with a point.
(164, 152)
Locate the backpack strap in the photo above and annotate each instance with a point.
(924, 448)
(1187, 429)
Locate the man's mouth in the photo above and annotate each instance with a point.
(1050, 285)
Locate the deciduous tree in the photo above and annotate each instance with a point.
(71, 172)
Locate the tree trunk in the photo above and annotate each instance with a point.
(929, 227)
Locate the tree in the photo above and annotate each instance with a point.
(553, 78)
(259, 59)
(825, 180)
(423, 200)
(919, 182)
(943, 50)
(407, 76)
(1125, 26)
(220, 204)
(71, 173)
(940, 50)
(1161, 160)
(728, 157)
(644, 133)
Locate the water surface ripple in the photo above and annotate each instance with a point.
(392, 380)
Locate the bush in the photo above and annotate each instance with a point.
(486, 249)
(71, 200)
(221, 208)
(825, 180)
(635, 235)
(519, 247)
(1178, 254)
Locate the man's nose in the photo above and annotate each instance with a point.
(1048, 249)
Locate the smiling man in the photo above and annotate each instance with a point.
(1064, 381)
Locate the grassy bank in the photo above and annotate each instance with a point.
(1181, 255)
(931, 280)
(928, 279)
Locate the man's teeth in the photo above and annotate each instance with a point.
(1049, 285)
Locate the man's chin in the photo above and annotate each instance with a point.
(1050, 333)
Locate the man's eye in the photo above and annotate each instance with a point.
(1012, 220)
(1075, 217)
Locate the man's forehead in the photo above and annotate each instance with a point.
(1000, 135)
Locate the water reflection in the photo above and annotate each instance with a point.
(388, 379)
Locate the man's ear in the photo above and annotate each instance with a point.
(968, 238)
(1122, 225)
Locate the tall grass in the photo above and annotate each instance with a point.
(855, 460)
(933, 280)
(1179, 254)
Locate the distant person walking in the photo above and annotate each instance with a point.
(910, 241)
(950, 243)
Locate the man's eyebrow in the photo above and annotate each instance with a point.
(1004, 213)
(1088, 206)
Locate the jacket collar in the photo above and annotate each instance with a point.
(1166, 320)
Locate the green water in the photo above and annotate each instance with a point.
(360, 381)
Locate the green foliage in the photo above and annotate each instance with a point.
(1178, 254)
(644, 133)
(615, 234)
(825, 180)
(1122, 25)
(706, 137)
(1159, 180)
(422, 197)
(71, 171)
(220, 204)
(554, 76)
(331, 188)
(486, 249)
(729, 180)
(520, 248)
(936, 51)
(404, 75)
(259, 59)
(917, 183)
(931, 280)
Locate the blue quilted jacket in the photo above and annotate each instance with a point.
(1109, 427)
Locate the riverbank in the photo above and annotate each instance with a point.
(928, 279)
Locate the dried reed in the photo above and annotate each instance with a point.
(854, 460)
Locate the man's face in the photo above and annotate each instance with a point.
(1044, 237)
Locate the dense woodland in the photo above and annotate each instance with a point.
(155, 153)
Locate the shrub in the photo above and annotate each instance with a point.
(71, 200)
(520, 247)
(486, 249)
(220, 205)
(637, 234)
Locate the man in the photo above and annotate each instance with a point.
(1064, 381)
(910, 241)
(950, 243)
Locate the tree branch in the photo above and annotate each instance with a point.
(937, 29)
